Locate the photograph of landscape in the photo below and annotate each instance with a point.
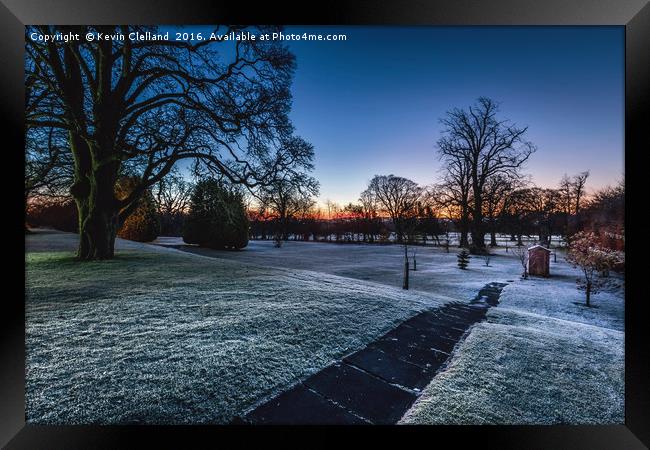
(336, 225)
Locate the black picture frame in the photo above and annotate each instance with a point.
(634, 15)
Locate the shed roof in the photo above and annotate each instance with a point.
(539, 246)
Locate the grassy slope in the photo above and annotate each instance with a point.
(161, 336)
(524, 368)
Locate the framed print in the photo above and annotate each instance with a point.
(382, 219)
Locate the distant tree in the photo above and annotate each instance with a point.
(486, 259)
(543, 205)
(605, 215)
(571, 198)
(454, 192)
(516, 215)
(397, 196)
(579, 182)
(428, 223)
(291, 192)
(58, 213)
(593, 259)
(332, 210)
(48, 168)
(463, 259)
(172, 196)
(489, 147)
(372, 222)
(495, 198)
(143, 224)
(217, 216)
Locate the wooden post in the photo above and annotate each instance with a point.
(406, 274)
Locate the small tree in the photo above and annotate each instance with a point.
(277, 239)
(217, 217)
(521, 252)
(486, 259)
(586, 252)
(463, 259)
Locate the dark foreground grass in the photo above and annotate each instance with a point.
(160, 336)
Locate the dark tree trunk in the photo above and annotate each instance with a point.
(97, 207)
(493, 238)
(478, 230)
(98, 215)
(588, 292)
(478, 237)
(398, 229)
(464, 239)
(464, 228)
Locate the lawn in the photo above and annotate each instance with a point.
(539, 358)
(519, 368)
(161, 336)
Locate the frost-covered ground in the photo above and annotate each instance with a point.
(520, 368)
(161, 336)
(437, 271)
(541, 357)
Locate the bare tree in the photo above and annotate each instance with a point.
(489, 146)
(172, 197)
(495, 198)
(571, 193)
(454, 192)
(397, 196)
(293, 192)
(521, 252)
(172, 194)
(516, 213)
(139, 107)
(578, 185)
(369, 209)
(543, 204)
(48, 168)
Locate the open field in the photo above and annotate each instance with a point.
(437, 272)
(163, 336)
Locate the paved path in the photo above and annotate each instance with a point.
(379, 383)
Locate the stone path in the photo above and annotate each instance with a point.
(376, 385)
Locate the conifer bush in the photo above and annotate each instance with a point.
(463, 259)
(217, 217)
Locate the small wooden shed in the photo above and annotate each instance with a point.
(539, 260)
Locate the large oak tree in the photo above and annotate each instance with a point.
(138, 107)
(486, 146)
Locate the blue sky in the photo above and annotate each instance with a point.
(371, 104)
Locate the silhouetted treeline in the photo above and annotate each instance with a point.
(424, 230)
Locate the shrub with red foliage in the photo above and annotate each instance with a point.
(143, 224)
(595, 260)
